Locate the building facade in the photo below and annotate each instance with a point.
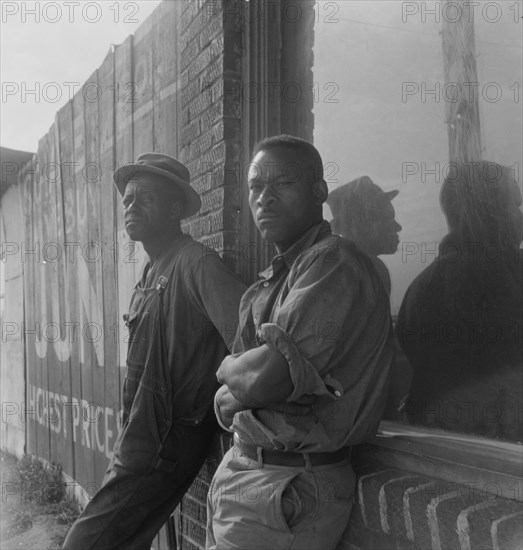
(401, 91)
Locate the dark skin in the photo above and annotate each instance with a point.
(285, 202)
(152, 213)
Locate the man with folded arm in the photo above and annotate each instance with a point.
(308, 375)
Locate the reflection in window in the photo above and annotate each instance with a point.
(362, 212)
(459, 321)
(424, 92)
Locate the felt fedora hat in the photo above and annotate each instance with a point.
(170, 169)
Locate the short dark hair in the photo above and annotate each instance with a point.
(302, 146)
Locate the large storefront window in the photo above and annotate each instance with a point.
(500, 65)
(417, 114)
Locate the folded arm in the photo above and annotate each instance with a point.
(257, 377)
(294, 360)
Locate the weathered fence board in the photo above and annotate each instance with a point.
(78, 284)
(30, 271)
(126, 275)
(165, 63)
(66, 200)
(41, 303)
(111, 403)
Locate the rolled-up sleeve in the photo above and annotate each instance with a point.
(305, 378)
(314, 319)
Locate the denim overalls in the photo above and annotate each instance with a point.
(147, 392)
(167, 421)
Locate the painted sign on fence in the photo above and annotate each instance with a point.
(79, 265)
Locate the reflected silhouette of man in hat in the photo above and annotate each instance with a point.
(363, 213)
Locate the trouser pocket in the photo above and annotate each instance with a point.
(286, 498)
(299, 501)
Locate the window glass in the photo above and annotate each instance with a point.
(498, 34)
(426, 183)
(382, 121)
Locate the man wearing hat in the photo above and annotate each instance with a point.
(182, 318)
(363, 213)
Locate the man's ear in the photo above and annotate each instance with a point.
(176, 210)
(320, 191)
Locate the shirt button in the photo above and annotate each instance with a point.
(266, 284)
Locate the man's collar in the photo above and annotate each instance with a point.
(166, 254)
(312, 235)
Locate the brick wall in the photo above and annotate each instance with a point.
(192, 512)
(210, 145)
(210, 63)
(401, 510)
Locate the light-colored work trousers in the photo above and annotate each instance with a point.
(256, 506)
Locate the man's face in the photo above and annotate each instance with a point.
(147, 208)
(385, 229)
(281, 196)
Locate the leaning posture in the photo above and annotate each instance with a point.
(182, 316)
(308, 375)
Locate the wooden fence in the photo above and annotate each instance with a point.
(79, 266)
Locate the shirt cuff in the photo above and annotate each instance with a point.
(305, 378)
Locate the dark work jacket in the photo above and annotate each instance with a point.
(182, 317)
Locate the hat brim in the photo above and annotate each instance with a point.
(391, 194)
(122, 175)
